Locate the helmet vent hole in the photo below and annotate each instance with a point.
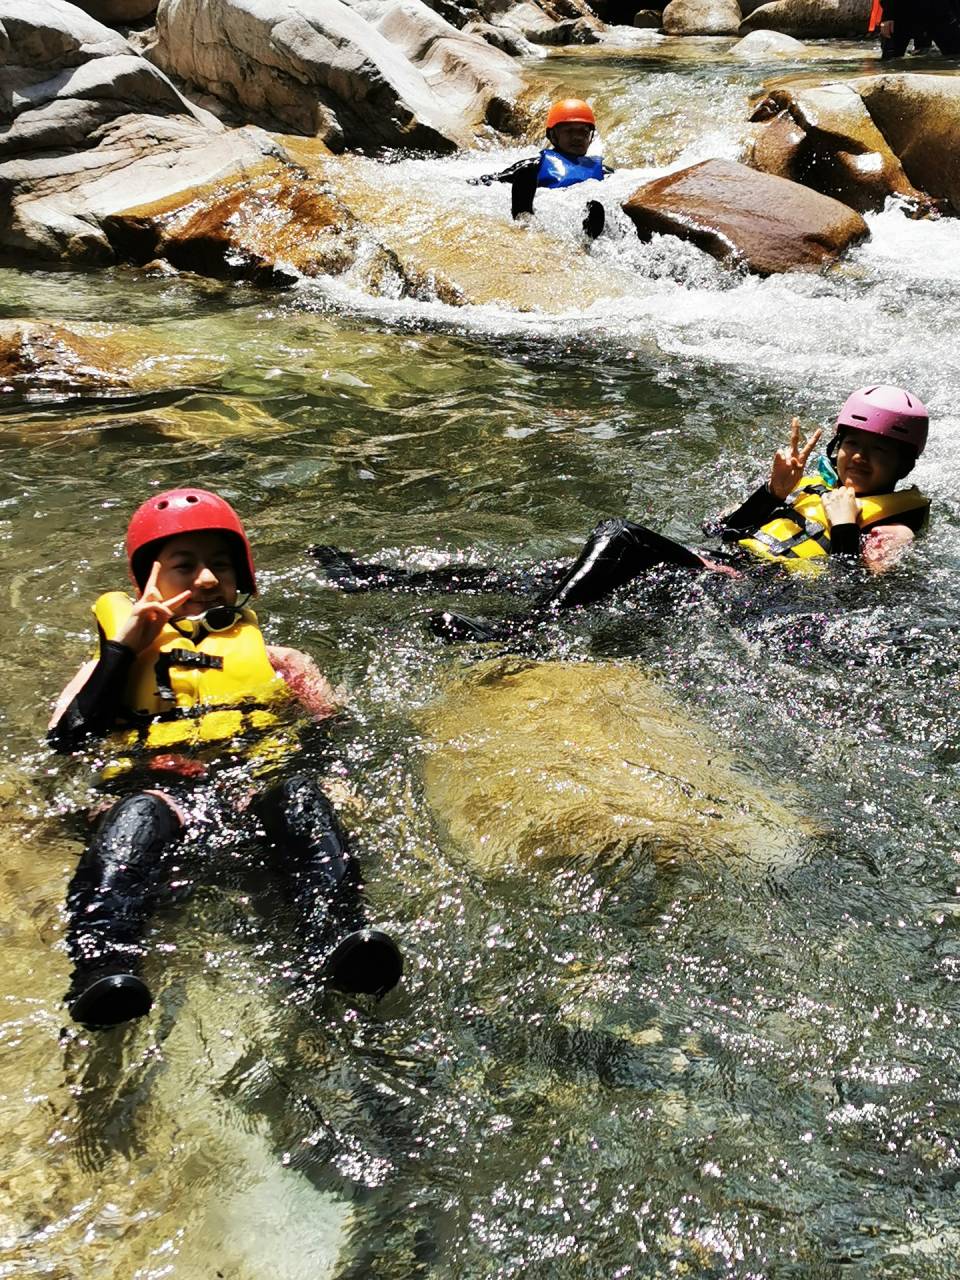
(860, 417)
(162, 506)
(192, 497)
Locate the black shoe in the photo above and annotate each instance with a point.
(457, 627)
(108, 999)
(365, 962)
(595, 220)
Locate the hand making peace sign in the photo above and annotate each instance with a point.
(150, 614)
(789, 464)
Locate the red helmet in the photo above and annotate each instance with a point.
(570, 111)
(186, 511)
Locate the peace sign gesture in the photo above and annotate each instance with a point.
(789, 464)
(150, 614)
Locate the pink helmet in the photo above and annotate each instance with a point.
(887, 411)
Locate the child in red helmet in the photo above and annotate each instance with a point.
(184, 678)
(850, 507)
(570, 126)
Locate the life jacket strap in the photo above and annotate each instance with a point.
(181, 658)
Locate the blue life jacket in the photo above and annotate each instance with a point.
(558, 170)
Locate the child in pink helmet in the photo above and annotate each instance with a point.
(185, 687)
(850, 507)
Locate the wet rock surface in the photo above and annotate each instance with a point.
(323, 70)
(824, 137)
(269, 230)
(765, 223)
(810, 19)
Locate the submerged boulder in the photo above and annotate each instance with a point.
(42, 359)
(319, 68)
(765, 223)
(919, 116)
(810, 19)
(701, 18)
(823, 136)
(529, 763)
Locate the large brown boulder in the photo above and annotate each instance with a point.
(823, 136)
(766, 223)
(811, 19)
(919, 116)
(701, 18)
(319, 68)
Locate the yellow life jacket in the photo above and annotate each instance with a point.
(799, 529)
(190, 693)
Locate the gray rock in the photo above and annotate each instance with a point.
(317, 67)
(810, 19)
(79, 105)
(701, 18)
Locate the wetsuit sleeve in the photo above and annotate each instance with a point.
(845, 539)
(745, 519)
(99, 703)
(522, 178)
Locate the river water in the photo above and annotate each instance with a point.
(595, 1066)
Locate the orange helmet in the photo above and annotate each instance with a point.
(570, 111)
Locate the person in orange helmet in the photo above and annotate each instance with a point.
(570, 126)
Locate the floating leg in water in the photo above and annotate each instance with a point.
(108, 902)
(324, 883)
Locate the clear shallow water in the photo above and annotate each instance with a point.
(591, 1070)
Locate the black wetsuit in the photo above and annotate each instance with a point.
(921, 21)
(523, 178)
(616, 552)
(134, 861)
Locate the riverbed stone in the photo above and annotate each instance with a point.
(701, 18)
(767, 44)
(834, 145)
(919, 116)
(810, 19)
(552, 763)
(319, 68)
(765, 223)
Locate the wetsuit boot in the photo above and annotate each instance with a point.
(324, 883)
(108, 902)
